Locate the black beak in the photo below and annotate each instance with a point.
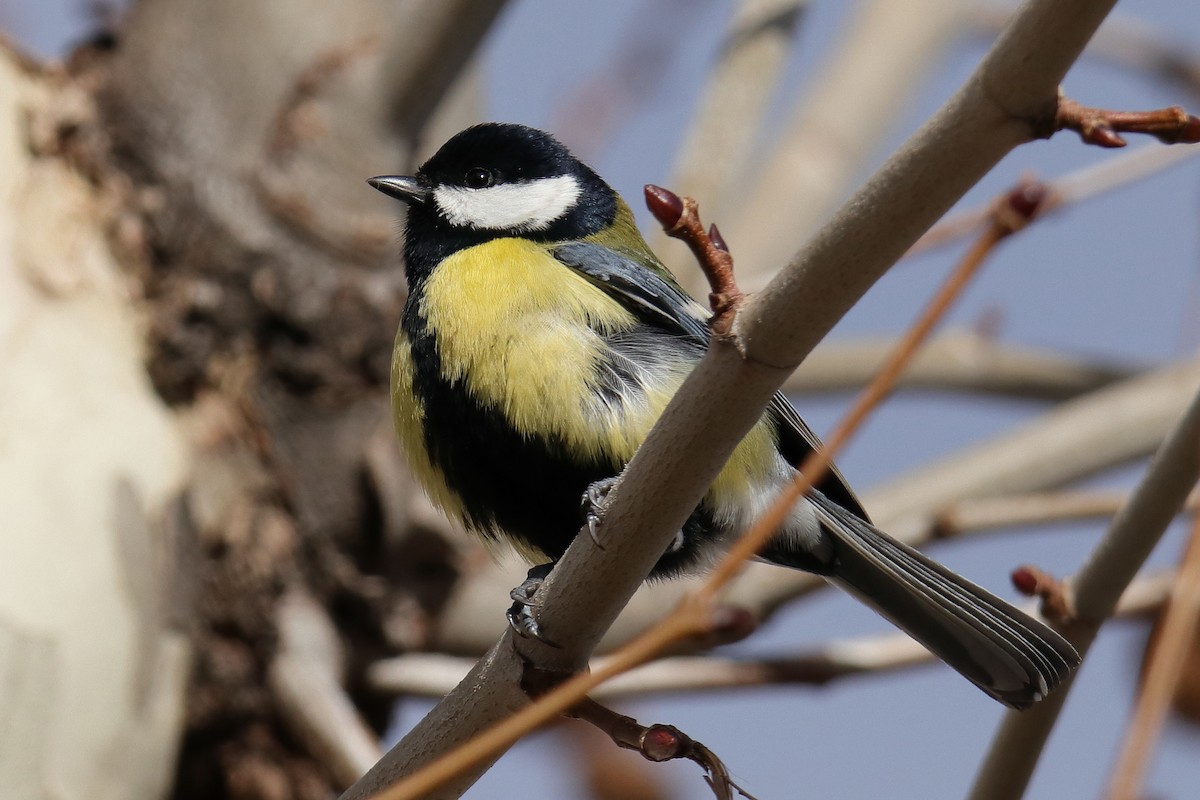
(402, 187)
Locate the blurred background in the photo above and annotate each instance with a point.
(186, 199)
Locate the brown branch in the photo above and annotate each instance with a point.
(658, 743)
(1092, 595)
(1167, 663)
(1035, 582)
(1067, 190)
(680, 219)
(1101, 127)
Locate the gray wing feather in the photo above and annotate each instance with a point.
(663, 304)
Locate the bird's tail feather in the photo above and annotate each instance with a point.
(1005, 652)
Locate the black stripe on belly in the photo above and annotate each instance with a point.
(525, 486)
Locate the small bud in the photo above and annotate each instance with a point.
(1104, 136)
(717, 240)
(1027, 198)
(732, 623)
(1191, 130)
(1025, 580)
(665, 205)
(663, 743)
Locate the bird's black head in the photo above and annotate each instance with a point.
(494, 180)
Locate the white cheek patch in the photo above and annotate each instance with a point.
(527, 206)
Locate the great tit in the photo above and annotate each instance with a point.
(541, 340)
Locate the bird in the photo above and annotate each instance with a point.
(540, 341)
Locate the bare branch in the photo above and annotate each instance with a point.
(727, 125)
(1022, 510)
(1044, 453)
(1167, 662)
(1092, 597)
(659, 743)
(1099, 126)
(1076, 187)
(958, 361)
(1121, 40)
(680, 219)
(1013, 211)
(874, 68)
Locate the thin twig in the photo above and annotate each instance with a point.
(556, 702)
(983, 514)
(1167, 663)
(680, 219)
(1102, 127)
(1092, 595)
(659, 743)
(1083, 184)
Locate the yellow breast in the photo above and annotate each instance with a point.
(522, 332)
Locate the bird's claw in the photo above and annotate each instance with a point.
(593, 501)
(520, 615)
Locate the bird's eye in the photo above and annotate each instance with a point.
(479, 178)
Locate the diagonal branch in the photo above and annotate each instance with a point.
(1083, 184)
(726, 126)
(1092, 595)
(836, 127)
(1168, 661)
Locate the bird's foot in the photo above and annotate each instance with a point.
(522, 617)
(595, 497)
